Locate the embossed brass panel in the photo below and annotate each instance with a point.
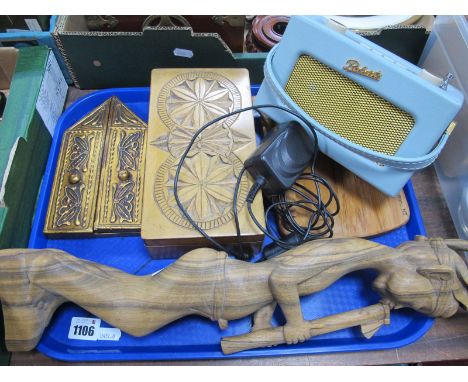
(120, 191)
(183, 100)
(98, 180)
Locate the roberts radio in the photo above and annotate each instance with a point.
(375, 113)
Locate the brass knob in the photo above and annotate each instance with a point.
(74, 178)
(124, 175)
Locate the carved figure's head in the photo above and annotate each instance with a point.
(432, 279)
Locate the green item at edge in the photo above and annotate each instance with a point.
(22, 125)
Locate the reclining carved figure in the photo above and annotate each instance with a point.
(425, 275)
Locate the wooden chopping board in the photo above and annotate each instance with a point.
(364, 210)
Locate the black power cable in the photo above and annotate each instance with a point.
(319, 210)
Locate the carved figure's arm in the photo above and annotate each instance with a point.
(370, 319)
(312, 267)
(284, 282)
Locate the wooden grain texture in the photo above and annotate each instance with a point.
(426, 275)
(182, 101)
(369, 319)
(447, 341)
(364, 210)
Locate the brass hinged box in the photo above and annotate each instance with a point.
(98, 184)
(182, 101)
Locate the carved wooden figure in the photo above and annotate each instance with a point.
(426, 275)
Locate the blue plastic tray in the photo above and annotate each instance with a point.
(196, 337)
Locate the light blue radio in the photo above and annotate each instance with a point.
(375, 113)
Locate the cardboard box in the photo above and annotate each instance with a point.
(35, 36)
(97, 59)
(35, 100)
(7, 66)
(14, 23)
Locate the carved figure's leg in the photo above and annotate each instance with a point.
(262, 317)
(138, 305)
(33, 283)
(24, 325)
(27, 309)
(223, 324)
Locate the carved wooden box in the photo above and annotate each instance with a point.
(99, 175)
(182, 101)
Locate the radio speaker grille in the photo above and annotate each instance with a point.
(347, 108)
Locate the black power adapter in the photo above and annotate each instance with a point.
(281, 158)
(276, 167)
